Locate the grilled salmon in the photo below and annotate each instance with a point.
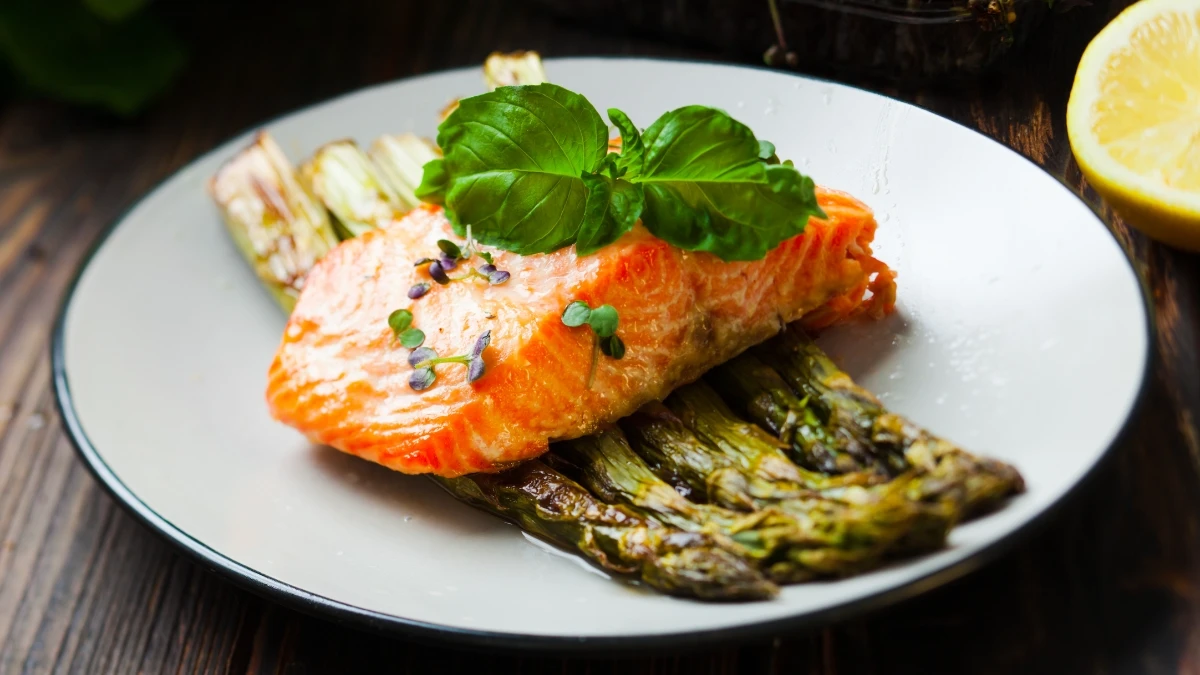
(342, 379)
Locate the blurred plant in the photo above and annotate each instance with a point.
(111, 54)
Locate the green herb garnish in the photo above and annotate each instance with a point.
(603, 321)
(528, 169)
(400, 322)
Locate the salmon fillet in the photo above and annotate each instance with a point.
(340, 377)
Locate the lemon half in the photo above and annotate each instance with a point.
(1134, 118)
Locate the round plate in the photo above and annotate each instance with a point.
(1021, 332)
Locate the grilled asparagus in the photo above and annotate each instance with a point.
(826, 540)
(981, 483)
(883, 516)
(547, 503)
(759, 393)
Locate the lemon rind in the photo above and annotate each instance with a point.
(1105, 172)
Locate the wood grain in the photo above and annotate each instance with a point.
(1110, 584)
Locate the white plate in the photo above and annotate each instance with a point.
(1021, 332)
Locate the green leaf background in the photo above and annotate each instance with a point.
(110, 54)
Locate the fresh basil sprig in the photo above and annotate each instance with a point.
(528, 169)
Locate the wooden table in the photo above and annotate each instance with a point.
(1110, 584)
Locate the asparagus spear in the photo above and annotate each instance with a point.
(755, 451)
(400, 159)
(273, 221)
(724, 472)
(758, 392)
(345, 180)
(539, 499)
(952, 473)
(789, 548)
(547, 503)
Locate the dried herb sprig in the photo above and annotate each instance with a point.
(424, 359)
(603, 321)
(400, 322)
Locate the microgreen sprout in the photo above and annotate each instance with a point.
(418, 290)
(449, 249)
(438, 272)
(451, 254)
(424, 359)
(400, 321)
(603, 321)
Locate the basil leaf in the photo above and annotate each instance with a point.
(527, 169)
(632, 150)
(434, 182)
(707, 189)
(612, 208)
(515, 157)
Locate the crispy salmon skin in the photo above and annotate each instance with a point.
(341, 378)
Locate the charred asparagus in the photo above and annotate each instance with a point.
(758, 392)
(547, 503)
(980, 483)
(790, 547)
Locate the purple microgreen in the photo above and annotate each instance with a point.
(424, 359)
(487, 269)
(423, 261)
(418, 290)
(412, 338)
(498, 277)
(421, 356)
(438, 273)
(449, 248)
(481, 344)
(576, 314)
(399, 321)
(613, 347)
(475, 369)
(448, 263)
(422, 378)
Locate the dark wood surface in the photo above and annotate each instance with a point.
(1110, 583)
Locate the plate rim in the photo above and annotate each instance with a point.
(323, 607)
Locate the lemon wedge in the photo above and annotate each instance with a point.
(1134, 118)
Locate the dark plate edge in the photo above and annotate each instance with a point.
(320, 606)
